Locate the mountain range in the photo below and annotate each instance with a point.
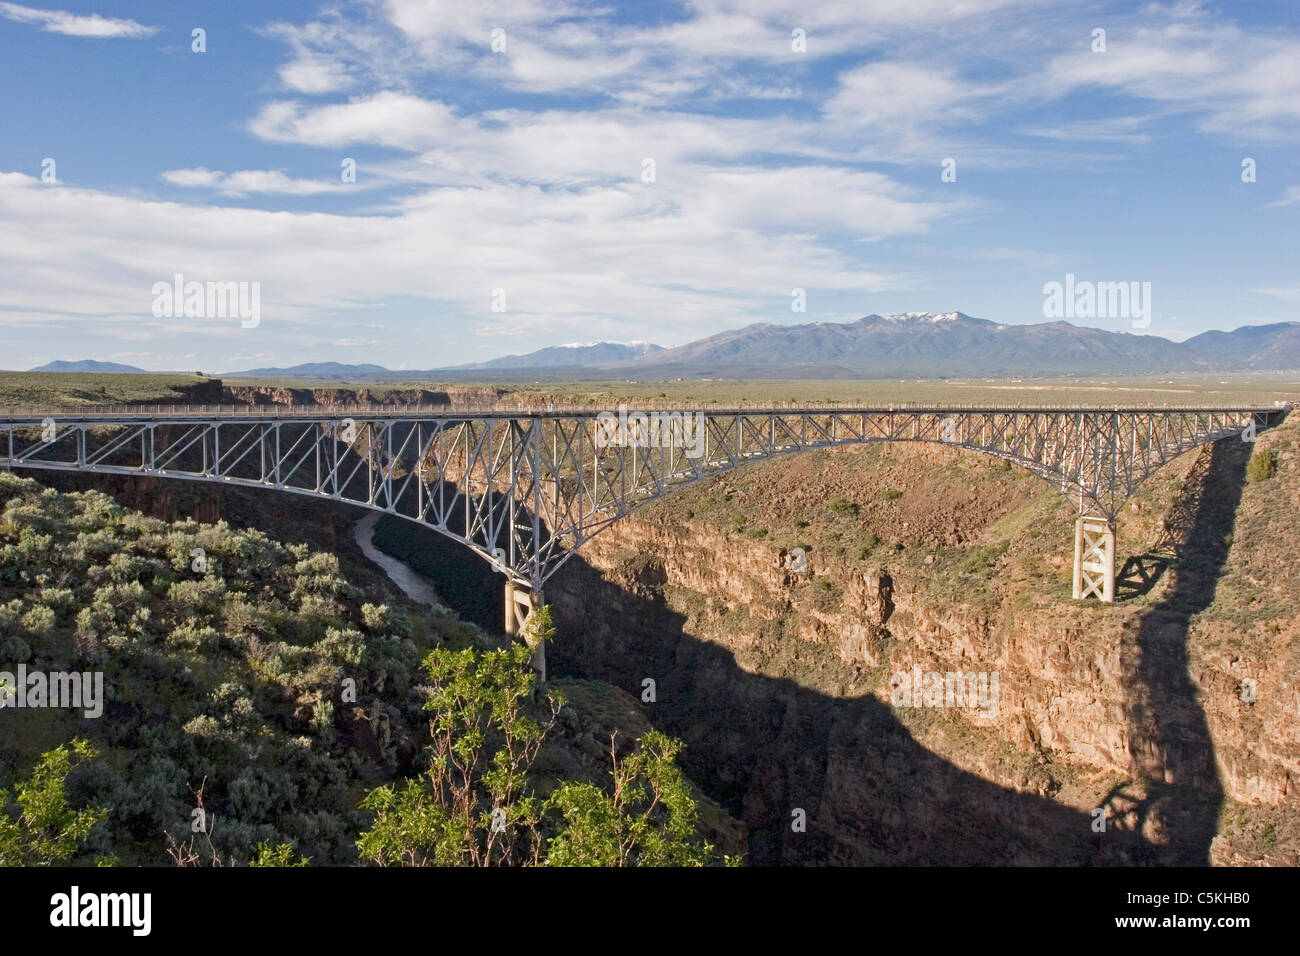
(1254, 347)
(910, 345)
(925, 345)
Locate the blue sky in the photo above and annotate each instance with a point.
(501, 202)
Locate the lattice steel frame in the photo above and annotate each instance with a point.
(525, 490)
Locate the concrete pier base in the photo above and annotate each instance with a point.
(1094, 559)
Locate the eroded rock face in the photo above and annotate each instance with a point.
(875, 596)
(768, 746)
(206, 392)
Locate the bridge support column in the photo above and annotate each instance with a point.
(1094, 558)
(520, 605)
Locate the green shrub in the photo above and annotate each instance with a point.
(228, 680)
(982, 559)
(842, 507)
(1263, 465)
(868, 544)
(39, 621)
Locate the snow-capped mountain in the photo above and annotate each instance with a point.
(927, 345)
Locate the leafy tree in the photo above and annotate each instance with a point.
(39, 828)
(649, 818)
(474, 806)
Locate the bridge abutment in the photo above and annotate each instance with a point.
(1094, 558)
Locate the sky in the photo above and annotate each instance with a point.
(536, 172)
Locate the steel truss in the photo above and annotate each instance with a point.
(525, 490)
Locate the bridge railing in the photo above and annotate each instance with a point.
(252, 412)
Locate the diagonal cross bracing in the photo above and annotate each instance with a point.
(524, 489)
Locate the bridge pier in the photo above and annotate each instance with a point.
(1094, 558)
(520, 605)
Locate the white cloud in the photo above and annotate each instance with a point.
(813, 199)
(1286, 294)
(314, 74)
(435, 21)
(75, 25)
(1290, 197)
(761, 29)
(246, 181)
(1238, 83)
(200, 176)
(900, 94)
(1115, 129)
(387, 119)
(572, 47)
(555, 147)
(540, 70)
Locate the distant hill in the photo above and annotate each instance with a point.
(86, 365)
(573, 358)
(1252, 347)
(577, 354)
(321, 370)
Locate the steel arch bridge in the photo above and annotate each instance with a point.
(525, 488)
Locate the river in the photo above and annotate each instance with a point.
(411, 584)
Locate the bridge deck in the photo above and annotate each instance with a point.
(369, 412)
